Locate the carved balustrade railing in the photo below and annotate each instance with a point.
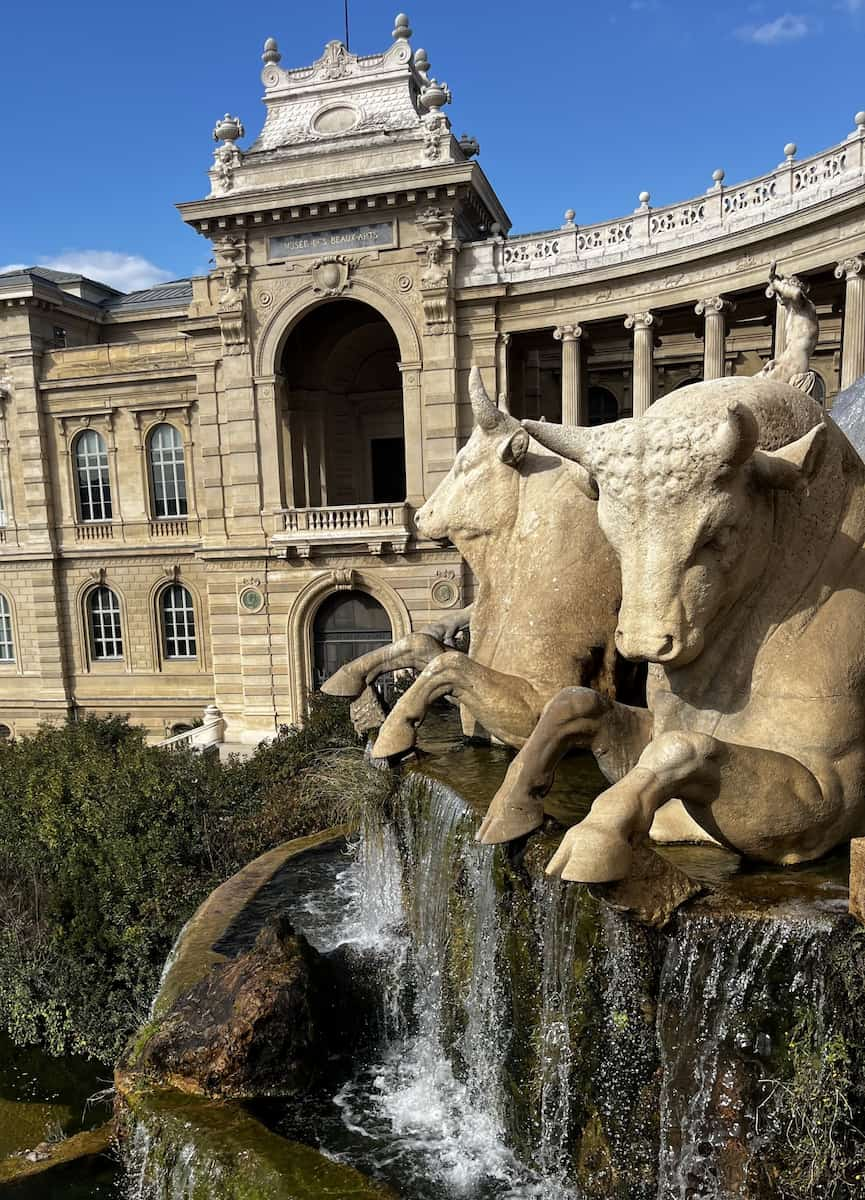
(376, 525)
(795, 184)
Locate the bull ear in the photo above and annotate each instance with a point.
(792, 467)
(514, 448)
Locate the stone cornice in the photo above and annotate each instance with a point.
(292, 203)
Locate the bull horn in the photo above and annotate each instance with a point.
(738, 436)
(487, 416)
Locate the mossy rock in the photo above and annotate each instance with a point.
(235, 1157)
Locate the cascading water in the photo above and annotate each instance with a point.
(432, 1098)
(525, 1041)
(726, 987)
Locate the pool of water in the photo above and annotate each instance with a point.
(45, 1099)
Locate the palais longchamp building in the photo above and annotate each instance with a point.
(208, 487)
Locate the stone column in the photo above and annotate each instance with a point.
(643, 325)
(853, 349)
(714, 309)
(573, 399)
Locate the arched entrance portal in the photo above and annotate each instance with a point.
(346, 625)
(344, 441)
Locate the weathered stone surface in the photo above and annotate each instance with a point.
(51, 1157)
(652, 891)
(738, 516)
(257, 1025)
(367, 711)
(196, 950)
(857, 879)
(508, 504)
(235, 1157)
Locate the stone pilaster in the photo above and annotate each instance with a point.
(503, 389)
(644, 325)
(852, 270)
(714, 310)
(573, 393)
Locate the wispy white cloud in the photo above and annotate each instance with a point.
(790, 27)
(126, 272)
(853, 6)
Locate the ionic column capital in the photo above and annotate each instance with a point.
(714, 304)
(642, 320)
(849, 268)
(568, 333)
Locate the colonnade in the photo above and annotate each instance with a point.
(716, 311)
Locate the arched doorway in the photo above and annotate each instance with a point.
(342, 414)
(346, 625)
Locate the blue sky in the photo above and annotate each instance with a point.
(109, 107)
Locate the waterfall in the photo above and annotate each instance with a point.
(724, 984)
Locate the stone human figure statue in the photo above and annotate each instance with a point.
(801, 331)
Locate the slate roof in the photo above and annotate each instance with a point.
(164, 295)
(178, 291)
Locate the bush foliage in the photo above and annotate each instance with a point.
(107, 845)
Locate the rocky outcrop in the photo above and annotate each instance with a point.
(257, 1025)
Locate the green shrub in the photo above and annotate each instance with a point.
(107, 845)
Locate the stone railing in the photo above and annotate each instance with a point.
(169, 527)
(210, 733)
(375, 524)
(794, 185)
(95, 531)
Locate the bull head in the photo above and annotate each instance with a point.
(480, 493)
(686, 503)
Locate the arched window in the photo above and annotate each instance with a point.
(91, 471)
(603, 406)
(167, 472)
(5, 733)
(106, 635)
(178, 622)
(7, 642)
(347, 625)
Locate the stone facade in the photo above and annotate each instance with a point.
(315, 384)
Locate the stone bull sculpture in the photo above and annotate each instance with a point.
(547, 590)
(738, 516)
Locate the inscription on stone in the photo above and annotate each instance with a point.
(355, 237)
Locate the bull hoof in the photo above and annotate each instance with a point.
(345, 683)
(513, 813)
(395, 738)
(590, 854)
(508, 826)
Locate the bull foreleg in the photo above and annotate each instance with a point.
(721, 786)
(413, 651)
(505, 705)
(615, 733)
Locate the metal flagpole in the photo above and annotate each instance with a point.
(345, 6)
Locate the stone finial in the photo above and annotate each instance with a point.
(228, 129)
(644, 198)
(422, 63)
(569, 218)
(718, 176)
(470, 146)
(435, 96)
(401, 29)
(271, 54)
(859, 121)
(790, 151)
